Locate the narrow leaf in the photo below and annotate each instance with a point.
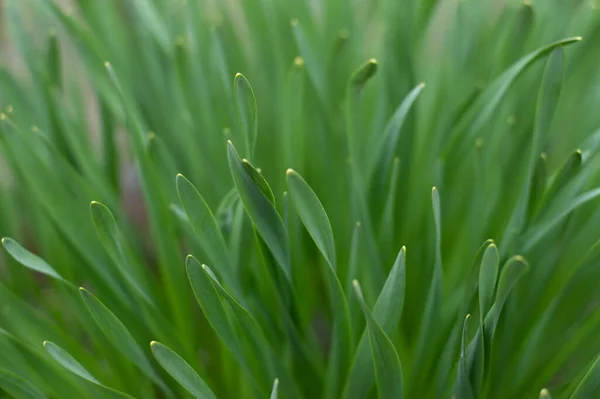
(463, 388)
(28, 259)
(109, 235)
(118, 335)
(19, 387)
(388, 371)
(488, 274)
(312, 214)
(274, 394)
(63, 358)
(387, 312)
(245, 104)
(589, 387)
(67, 361)
(205, 226)
(261, 211)
(181, 371)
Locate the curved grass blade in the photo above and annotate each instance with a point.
(28, 259)
(570, 167)
(463, 388)
(589, 387)
(260, 181)
(539, 230)
(547, 102)
(384, 146)
(109, 235)
(388, 371)
(261, 211)
(488, 273)
(274, 394)
(512, 271)
(245, 104)
(312, 214)
(205, 226)
(538, 187)
(181, 371)
(67, 361)
(19, 387)
(490, 98)
(434, 295)
(63, 358)
(118, 335)
(387, 312)
(210, 302)
(214, 310)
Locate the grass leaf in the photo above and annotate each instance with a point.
(19, 387)
(181, 371)
(388, 371)
(245, 104)
(387, 312)
(312, 214)
(29, 259)
(261, 211)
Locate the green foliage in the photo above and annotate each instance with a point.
(367, 105)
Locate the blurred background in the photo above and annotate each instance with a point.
(173, 62)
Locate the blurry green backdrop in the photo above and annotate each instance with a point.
(495, 103)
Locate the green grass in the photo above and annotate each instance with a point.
(300, 199)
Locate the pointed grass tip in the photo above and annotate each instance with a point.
(294, 22)
(298, 62)
(290, 172)
(107, 65)
(152, 343)
(44, 343)
(355, 284)
(357, 224)
(544, 393)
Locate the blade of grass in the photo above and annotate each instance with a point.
(119, 336)
(388, 371)
(19, 387)
(387, 312)
(67, 361)
(181, 371)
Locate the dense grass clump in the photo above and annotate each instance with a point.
(391, 198)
